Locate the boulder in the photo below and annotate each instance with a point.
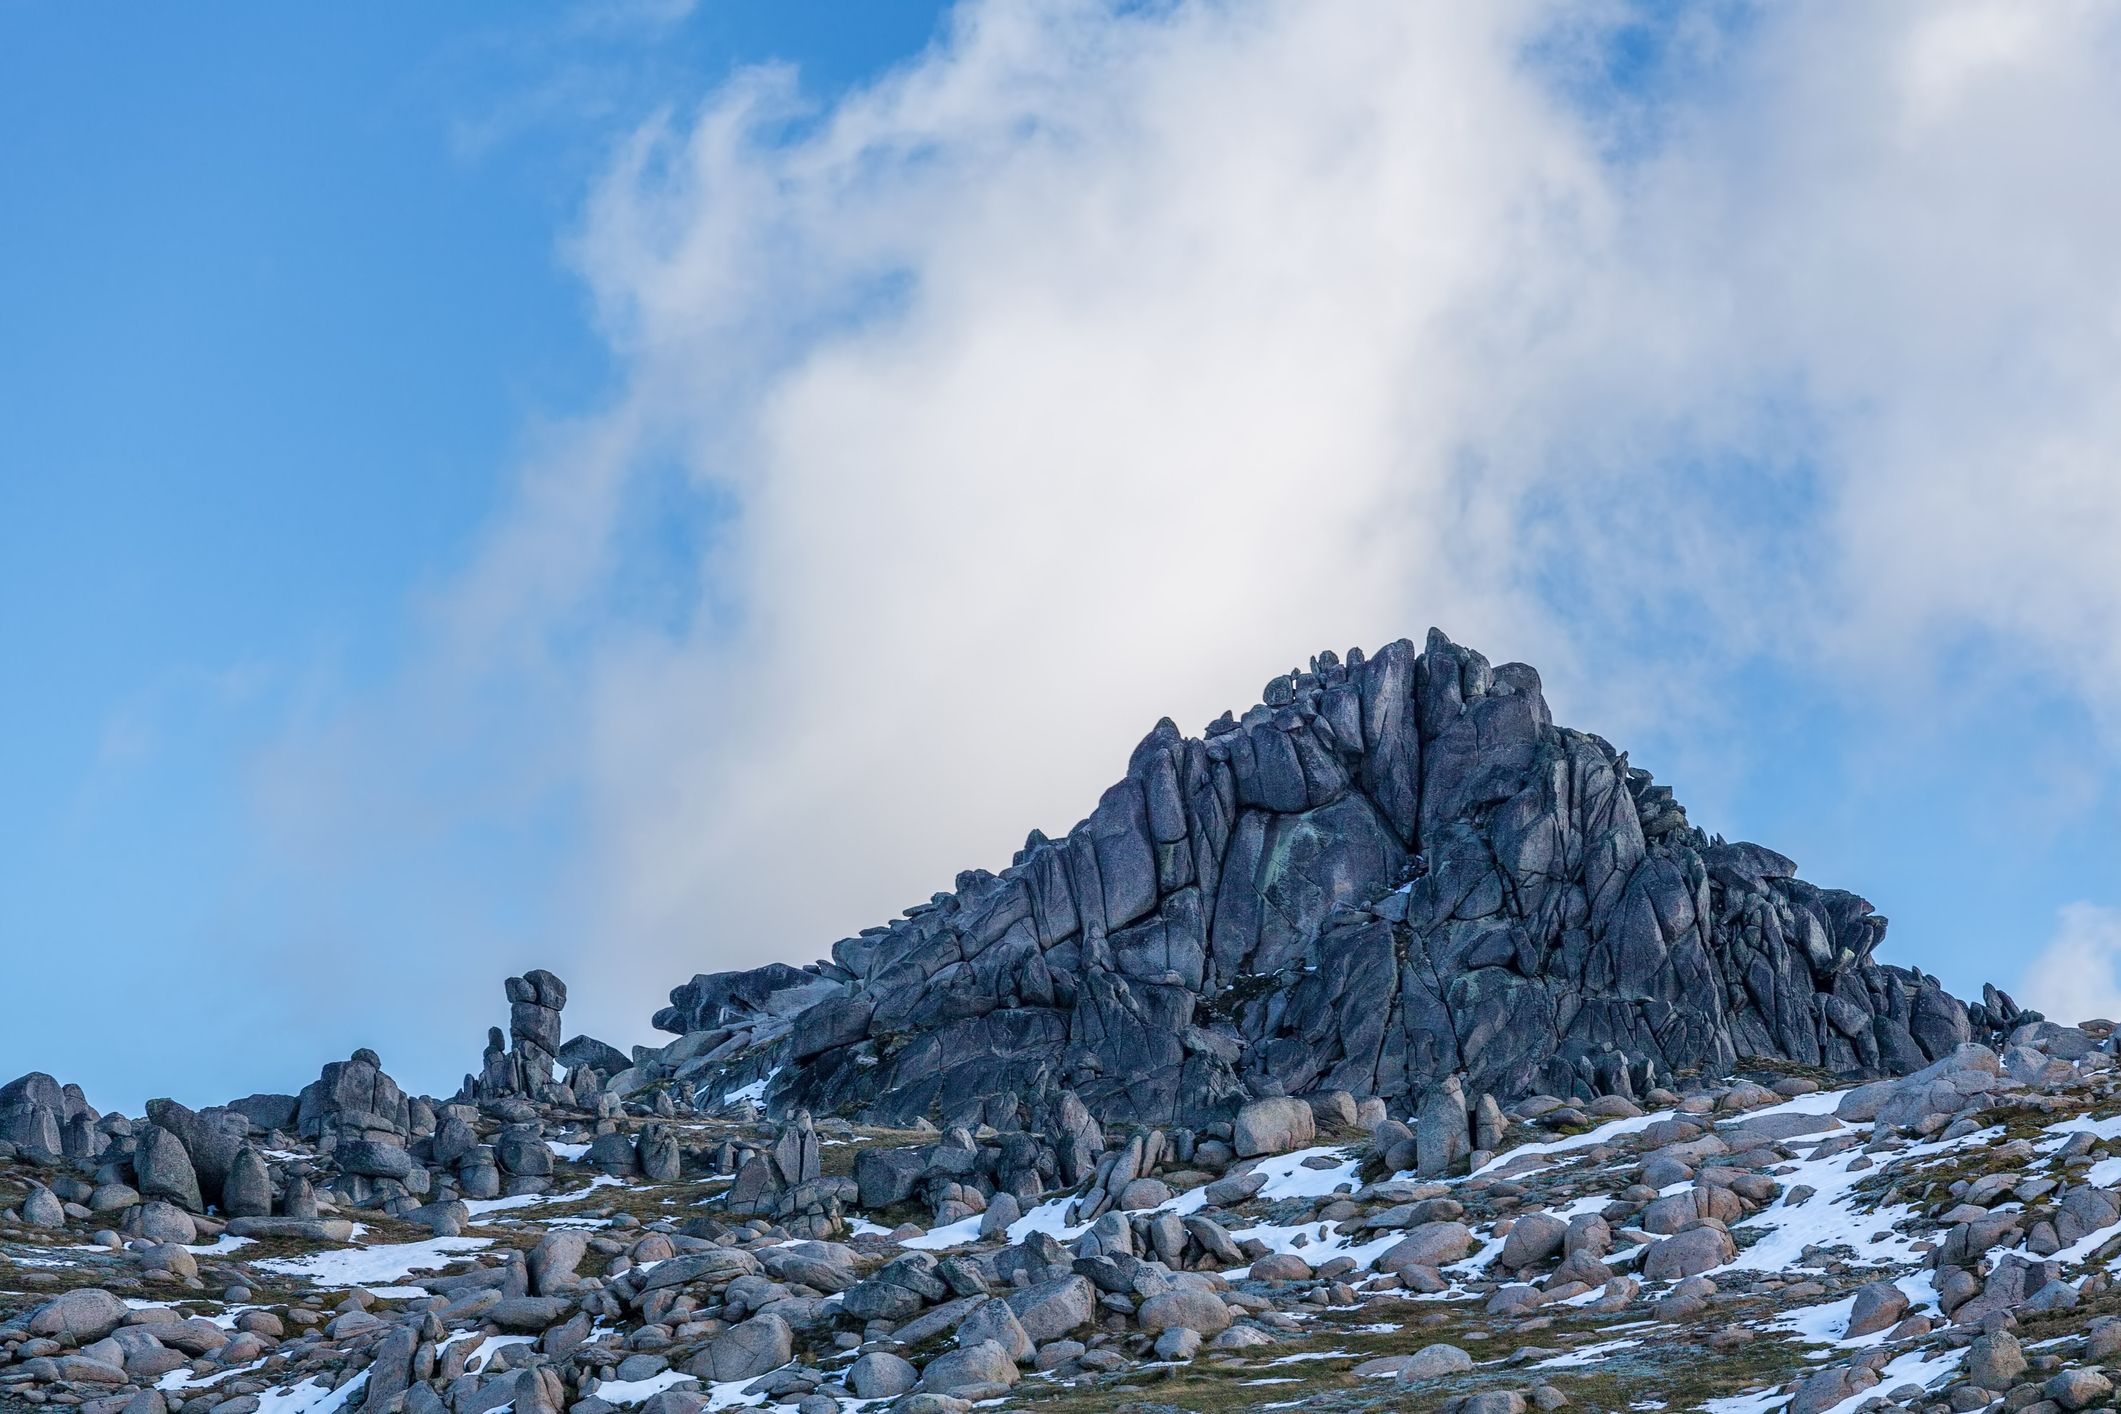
(887, 1176)
(1187, 1308)
(1534, 1238)
(1273, 1126)
(881, 1375)
(529, 1313)
(34, 1109)
(553, 1261)
(972, 1371)
(354, 1097)
(1879, 1306)
(993, 1321)
(1994, 1361)
(2078, 1389)
(1688, 1254)
(1434, 1361)
(715, 1266)
(164, 1170)
(246, 1192)
(1442, 1135)
(1051, 1309)
(372, 1159)
(746, 1350)
(82, 1315)
(42, 1208)
(1430, 1244)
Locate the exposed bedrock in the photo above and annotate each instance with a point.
(1397, 868)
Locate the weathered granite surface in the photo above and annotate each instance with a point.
(1395, 869)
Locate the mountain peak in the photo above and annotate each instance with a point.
(1394, 869)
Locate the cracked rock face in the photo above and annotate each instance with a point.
(1395, 870)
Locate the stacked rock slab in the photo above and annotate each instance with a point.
(524, 1067)
(354, 1099)
(1395, 869)
(40, 1115)
(521, 1065)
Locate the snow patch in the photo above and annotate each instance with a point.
(364, 1266)
(479, 1207)
(310, 1397)
(634, 1391)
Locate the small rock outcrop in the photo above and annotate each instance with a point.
(39, 1115)
(522, 1064)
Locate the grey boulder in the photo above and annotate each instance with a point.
(746, 1350)
(1273, 1126)
(881, 1375)
(974, 1370)
(84, 1314)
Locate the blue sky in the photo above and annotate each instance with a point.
(283, 300)
(618, 488)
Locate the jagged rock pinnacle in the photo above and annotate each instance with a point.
(1394, 869)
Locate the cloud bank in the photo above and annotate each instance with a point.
(1105, 358)
(2077, 976)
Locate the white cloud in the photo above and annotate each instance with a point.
(2077, 976)
(1104, 360)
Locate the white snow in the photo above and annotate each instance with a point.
(1316, 1243)
(2104, 1174)
(1829, 1215)
(310, 1397)
(479, 1207)
(225, 1318)
(957, 1234)
(220, 1245)
(1826, 1324)
(634, 1391)
(1745, 1403)
(2084, 1246)
(1287, 1177)
(23, 1259)
(1050, 1216)
(729, 1394)
(183, 1378)
(479, 1354)
(1585, 1354)
(1917, 1367)
(1818, 1102)
(570, 1152)
(2107, 1128)
(754, 1093)
(363, 1266)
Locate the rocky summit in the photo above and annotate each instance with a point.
(1388, 1048)
(1393, 875)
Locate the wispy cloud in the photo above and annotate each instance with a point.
(1110, 357)
(2077, 976)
